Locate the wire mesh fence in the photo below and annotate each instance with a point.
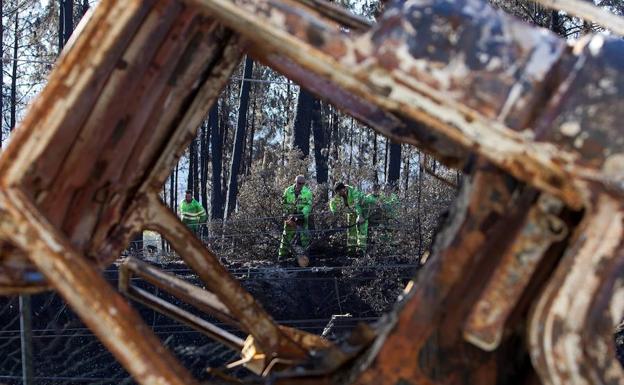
(64, 351)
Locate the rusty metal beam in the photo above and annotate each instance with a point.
(572, 327)
(203, 300)
(252, 317)
(216, 333)
(382, 69)
(543, 227)
(454, 77)
(253, 357)
(213, 61)
(423, 342)
(103, 310)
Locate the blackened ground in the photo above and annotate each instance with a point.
(349, 289)
(66, 352)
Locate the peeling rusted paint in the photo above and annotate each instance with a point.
(456, 78)
(485, 325)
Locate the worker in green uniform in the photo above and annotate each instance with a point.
(192, 212)
(353, 201)
(297, 205)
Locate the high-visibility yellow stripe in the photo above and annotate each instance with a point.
(203, 212)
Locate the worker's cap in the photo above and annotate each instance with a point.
(338, 186)
(188, 192)
(300, 179)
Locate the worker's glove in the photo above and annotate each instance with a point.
(290, 222)
(359, 220)
(298, 219)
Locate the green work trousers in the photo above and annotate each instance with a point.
(288, 237)
(357, 234)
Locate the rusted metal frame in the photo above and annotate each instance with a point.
(252, 317)
(183, 316)
(212, 60)
(216, 333)
(353, 65)
(571, 330)
(423, 340)
(187, 55)
(141, 212)
(128, 117)
(77, 80)
(211, 305)
(79, 76)
(543, 227)
(199, 298)
(105, 121)
(99, 306)
(267, 333)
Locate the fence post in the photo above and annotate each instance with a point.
(26, 338)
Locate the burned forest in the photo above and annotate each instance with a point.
(295, 192)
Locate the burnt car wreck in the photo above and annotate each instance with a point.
(525, 281)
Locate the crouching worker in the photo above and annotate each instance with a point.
(352, 200)
(297, 205)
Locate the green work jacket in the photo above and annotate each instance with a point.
(298, 205)
(192, 212)
(354, 202)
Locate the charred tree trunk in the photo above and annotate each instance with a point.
(321, 143)
(192, 167)
(350, 151)
(252, 132)
(16, 34)
(239, 144)
(556, 23)
(171, 191)
(361, 148)
(216, 143)
(335, 138)
(303, 122)
(321, 150)
(61, 40)
(386, 159)
(375, 172)
(394, 164)
(407, 170)
(175, 191)
(225, 127)
(203, 163)
(84, 8)
(66, 22)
